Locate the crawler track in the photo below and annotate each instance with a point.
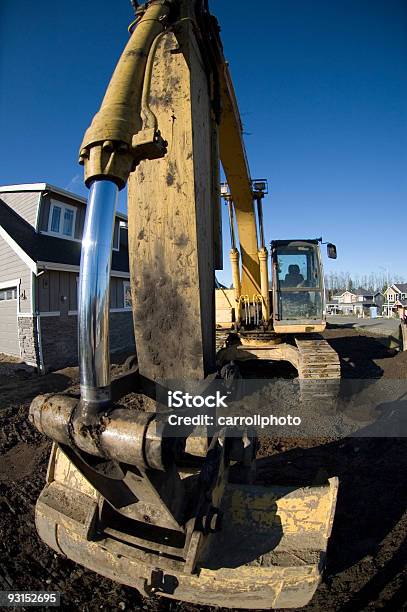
(319, 370)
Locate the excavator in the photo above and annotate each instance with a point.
(173, 514)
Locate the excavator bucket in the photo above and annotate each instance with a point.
(269, 552)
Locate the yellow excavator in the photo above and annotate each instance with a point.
(281, 323)
(125, 495)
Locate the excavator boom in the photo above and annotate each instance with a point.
(236, 168)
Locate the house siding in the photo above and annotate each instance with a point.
(116, 231)
(116, 293)
(43, 214)
(9, 343)
(57, 292)
(391, 293)
(25, 203)
(11, 268)
(79, 222)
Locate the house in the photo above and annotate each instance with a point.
(40, 244)
(395, 304)
(357, 302)
(378, 299)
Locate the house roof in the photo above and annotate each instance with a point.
(41, 187)
(402, 287)
(359, 291)
(43, 248)
(52, 189)
(398, 302)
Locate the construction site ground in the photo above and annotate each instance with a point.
(367, 554)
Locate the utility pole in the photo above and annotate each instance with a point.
(386, 269)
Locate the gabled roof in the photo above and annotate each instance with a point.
(41, 187)
(365, 292)
(43, 248)
(398, 301)
(401, 287)
(51, 189)
(359, 291)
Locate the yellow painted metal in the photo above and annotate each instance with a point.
(170, 218)
(225, 305)
(269, 553)
(247, 351)
(236, 168)
(298, 329)
(234, 262)
(107, 150)
(264, 282)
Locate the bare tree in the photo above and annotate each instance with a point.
(338, 282)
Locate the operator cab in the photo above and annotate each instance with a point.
(298, 286)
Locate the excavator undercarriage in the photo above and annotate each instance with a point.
(168, 511)
(317, 364)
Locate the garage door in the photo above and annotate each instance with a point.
(8, 322)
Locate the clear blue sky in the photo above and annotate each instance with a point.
(322, 89)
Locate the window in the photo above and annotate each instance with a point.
(391, 297)
(298, 283)
(297, 267)
(301, 305)
(8, 294)
(126, 295)
(62, 219)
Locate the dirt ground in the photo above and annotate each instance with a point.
(367, 553)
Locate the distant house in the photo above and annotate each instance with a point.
(40, 244)
(395, 300)
(355, 302)
(378, 299)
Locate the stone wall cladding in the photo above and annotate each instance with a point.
(27, 335)
(60, 338)
(59, 342)
(121, 332)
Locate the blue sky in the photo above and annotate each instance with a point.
(322, 89)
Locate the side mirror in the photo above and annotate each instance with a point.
(331, 250)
